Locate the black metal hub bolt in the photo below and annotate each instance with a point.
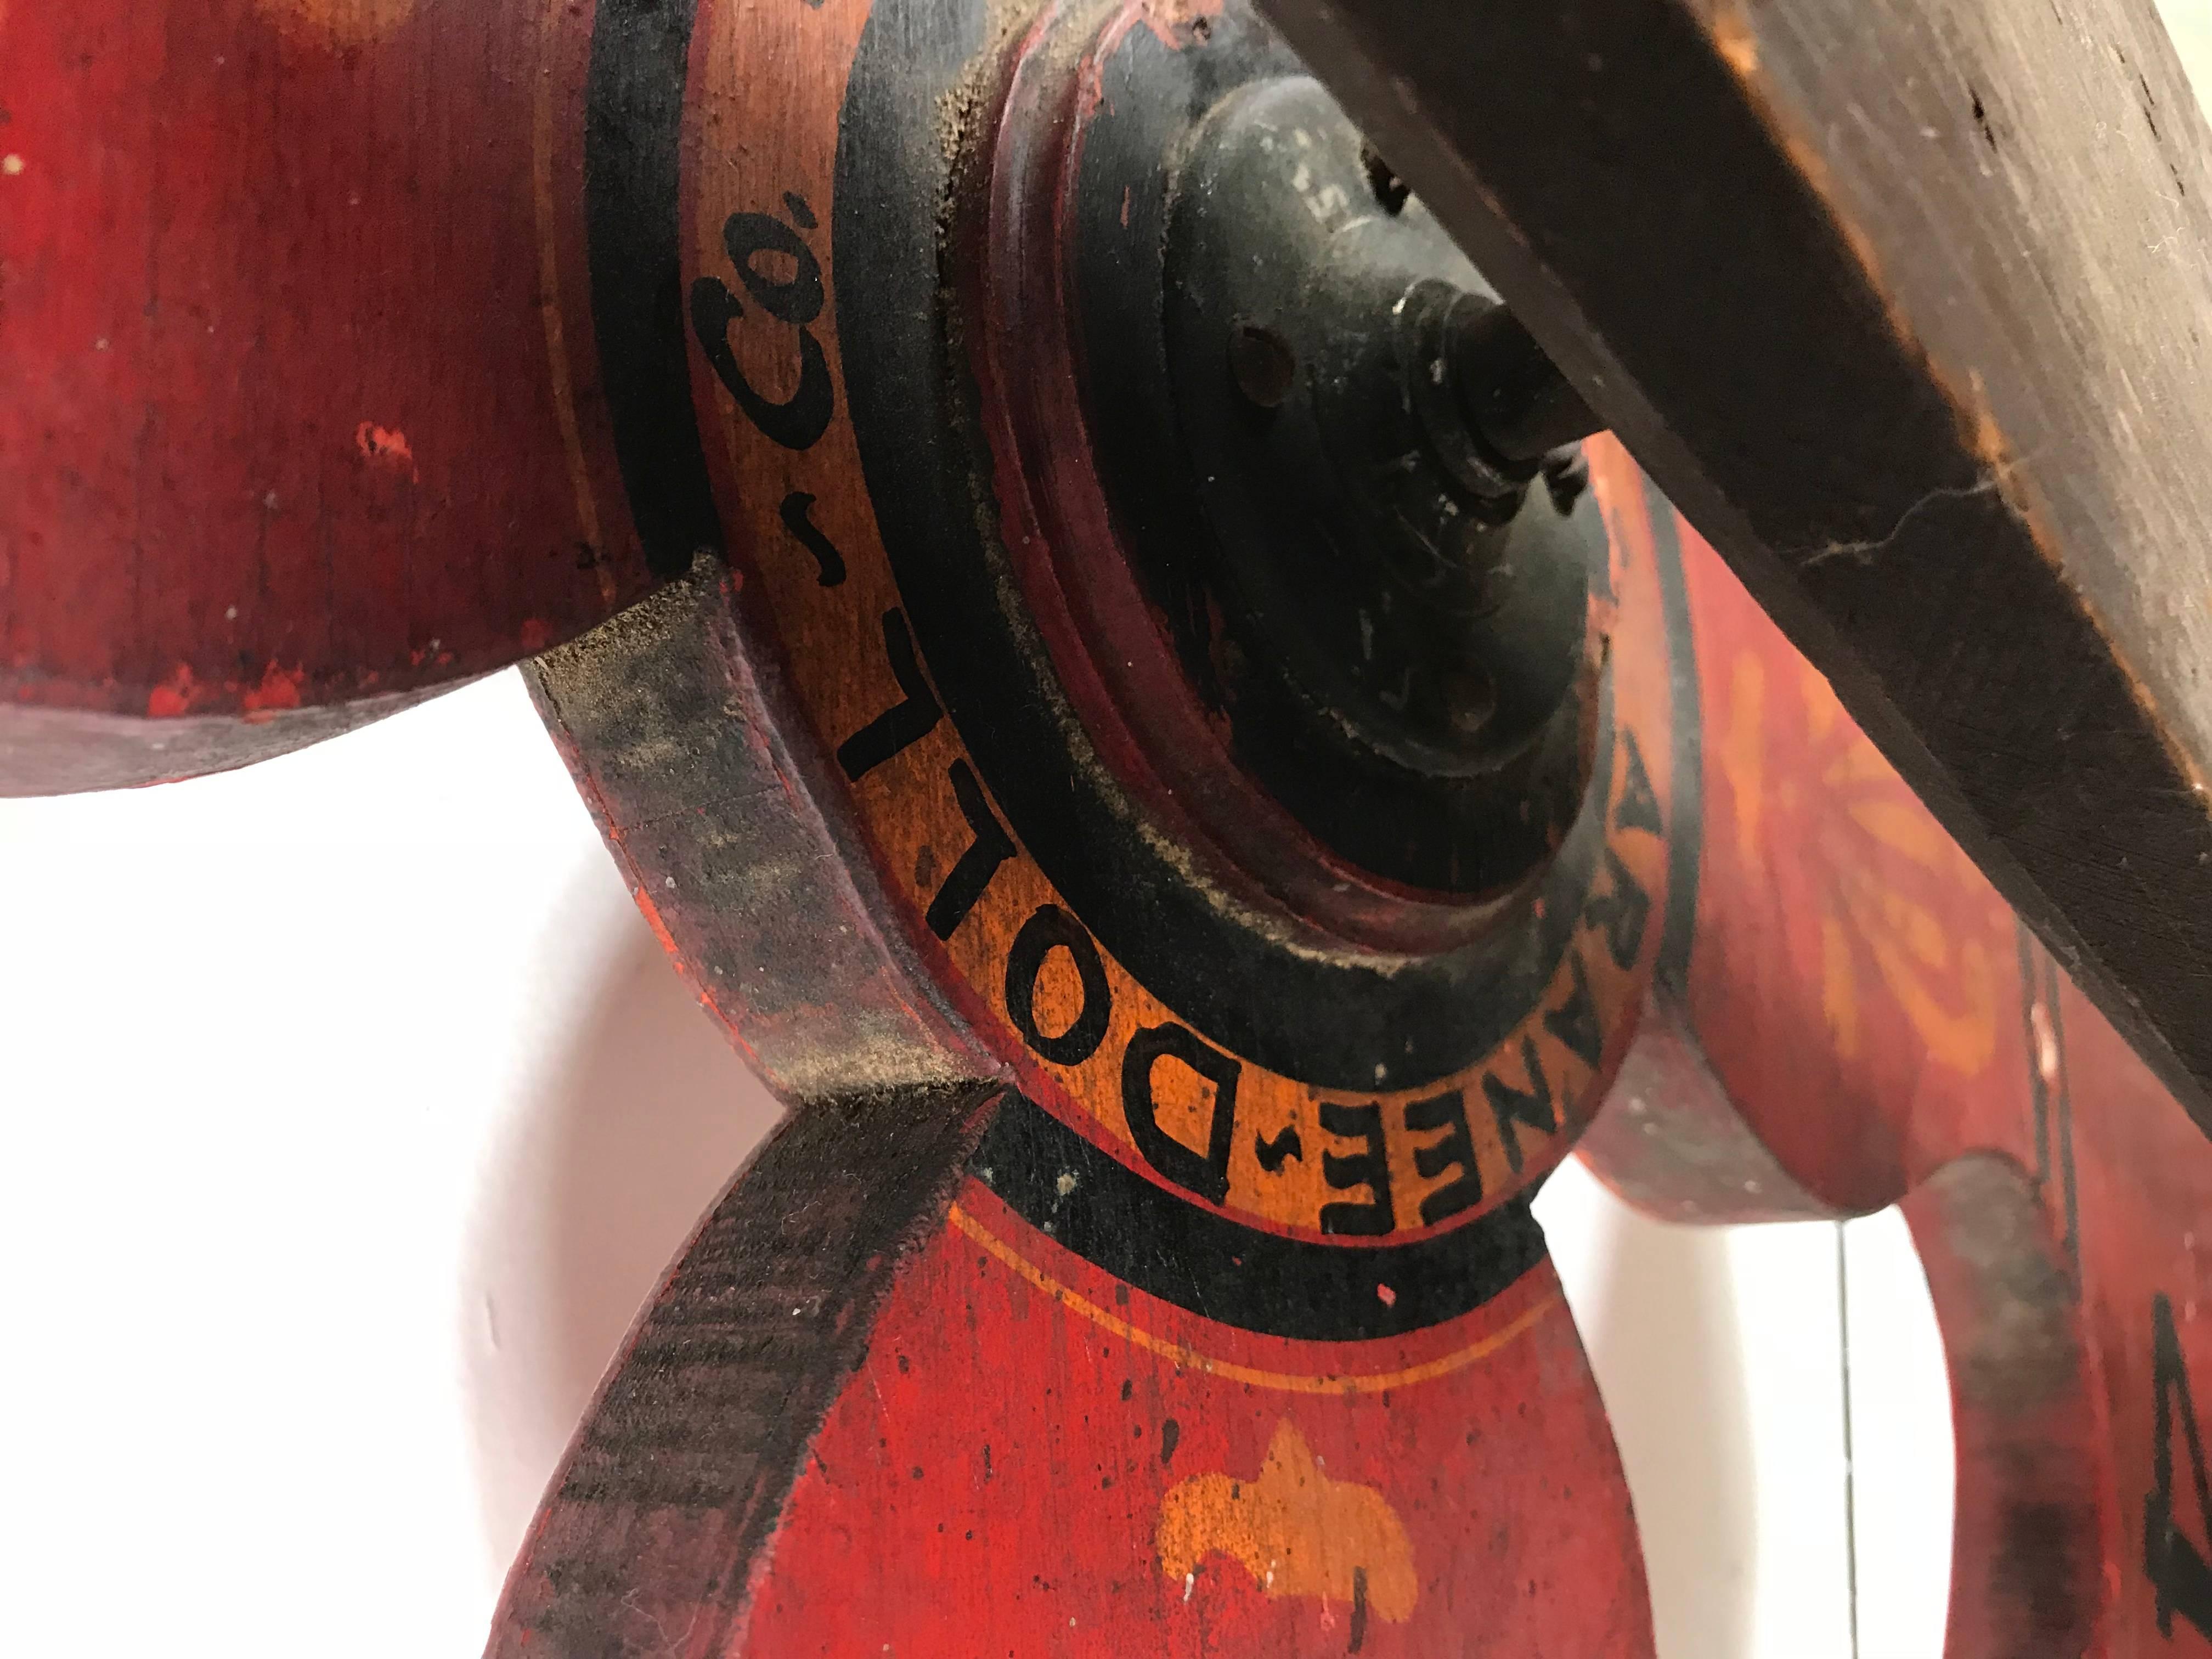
(1324, 472)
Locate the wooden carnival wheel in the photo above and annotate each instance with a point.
(1112, 679)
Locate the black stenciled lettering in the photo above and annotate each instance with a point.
(1050, 928)
(1369, 1167)
(1574, 1021)
(2177, 1568)
(906, 722)
(1204, 1173)
(1283, 1148)
(794, 300)
(793, 512)
(1512, 1106)
(964, 882)
(1456, 1151)
(1638, 805)
(1621, 912)
(796, 423)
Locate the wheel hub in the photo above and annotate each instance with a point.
(1281, 452)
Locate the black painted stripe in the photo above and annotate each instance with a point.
(632, 133)
(1686, 816)
(1176, 1249)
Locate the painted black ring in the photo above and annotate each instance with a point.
(1089, 1201)
(633, 185)
(1390, 1024)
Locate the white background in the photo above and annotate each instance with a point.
(350, 1112)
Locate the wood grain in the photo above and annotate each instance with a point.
(304, 412)
(678, 1482)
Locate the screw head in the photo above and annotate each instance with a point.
(1262, 361)
(1470, 699)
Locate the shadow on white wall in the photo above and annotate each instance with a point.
(1658, 1308)
(608, 1163)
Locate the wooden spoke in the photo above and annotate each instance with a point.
(1857, 1019)
(337, 333)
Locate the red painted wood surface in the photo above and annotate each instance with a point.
(869, 1353)
(1184, 1494)
(1861, 1021)
(1856, 1021)
(301, 407)
(305, 416)
(1029, 1458)
(970, 1319)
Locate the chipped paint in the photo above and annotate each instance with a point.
(279, 688)
(1732, 36)
(387, 445)
(1168, 18)
(337, 22)
(173, 695)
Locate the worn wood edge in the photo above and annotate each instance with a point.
(66, 752)
(2029, 1572)
(760, 891)
(1668, 1141)
(666, 1505)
